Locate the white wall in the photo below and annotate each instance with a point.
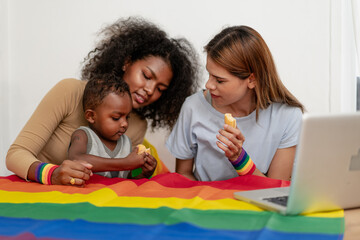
(5, 138)
(43, 41)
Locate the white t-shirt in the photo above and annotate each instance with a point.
(96, 147)
(194, 136)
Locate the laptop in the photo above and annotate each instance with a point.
(326, 171)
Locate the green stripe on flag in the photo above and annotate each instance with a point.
(304, 224)
(212, 219)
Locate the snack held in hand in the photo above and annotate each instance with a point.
(229, 120)
(142, 148)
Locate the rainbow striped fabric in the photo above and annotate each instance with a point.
(168, 206)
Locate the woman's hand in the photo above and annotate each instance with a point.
(230, 141)
(72, 173)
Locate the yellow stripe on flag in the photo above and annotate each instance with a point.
(107, 198)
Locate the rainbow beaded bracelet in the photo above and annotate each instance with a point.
(243, 164)
(43, 172)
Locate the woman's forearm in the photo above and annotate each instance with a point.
(185, 168)
(31, 173)
(258, 173)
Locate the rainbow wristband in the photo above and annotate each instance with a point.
(43, 172)
(243, 164)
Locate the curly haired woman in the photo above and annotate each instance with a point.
(160, 71)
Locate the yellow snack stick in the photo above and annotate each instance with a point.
(142, 148)
(229, 120)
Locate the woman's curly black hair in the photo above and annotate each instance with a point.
(133, 39)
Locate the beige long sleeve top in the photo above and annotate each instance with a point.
(46, 135)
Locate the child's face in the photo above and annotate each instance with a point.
(226, 89)
(111, 116)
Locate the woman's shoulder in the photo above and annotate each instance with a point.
(66, 96)
(194, 99)
(285, 110)
(283, 116)
(192, 103)
(71, 83)
(69, 89)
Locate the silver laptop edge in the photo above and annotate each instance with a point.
(326, 167)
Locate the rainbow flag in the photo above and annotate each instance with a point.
(168, 206)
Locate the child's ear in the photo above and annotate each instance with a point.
(252, 81)
(89, 115)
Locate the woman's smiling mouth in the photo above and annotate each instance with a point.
(139, 98)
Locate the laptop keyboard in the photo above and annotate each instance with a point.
(278, 200)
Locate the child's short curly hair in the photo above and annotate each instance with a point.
(134, 39)
(97, 89)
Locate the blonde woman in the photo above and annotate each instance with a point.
(242, 81)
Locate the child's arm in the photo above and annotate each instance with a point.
(78, 145)
(77, 151)
(185, 168)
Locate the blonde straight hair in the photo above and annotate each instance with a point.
(242, 51)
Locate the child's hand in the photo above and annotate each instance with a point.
(135, 160)
(149, 166)
(230, 141)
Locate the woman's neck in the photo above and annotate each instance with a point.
(241, 108)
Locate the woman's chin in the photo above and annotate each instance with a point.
(137, 105)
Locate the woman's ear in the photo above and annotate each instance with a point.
(126, 65)
(90, 115)
(252, 81)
